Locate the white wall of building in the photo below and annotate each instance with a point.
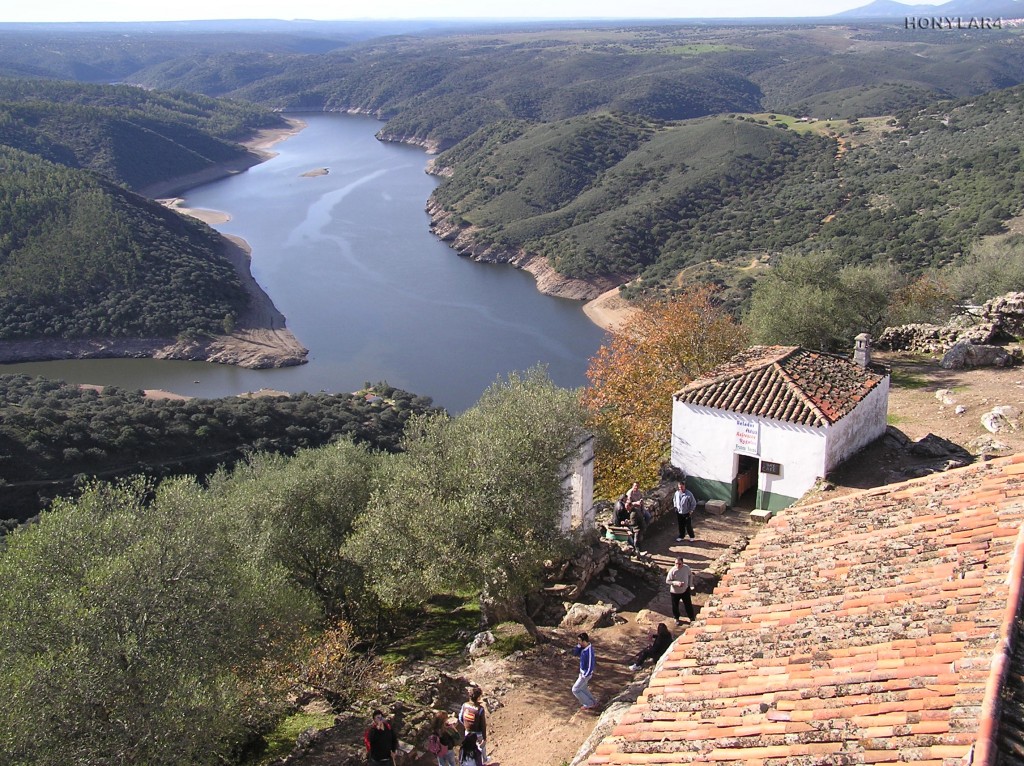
(706, 444)
(861, 427)
(578, 483)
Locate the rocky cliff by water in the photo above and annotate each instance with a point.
(462, 239)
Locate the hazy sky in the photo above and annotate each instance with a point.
(177, 10)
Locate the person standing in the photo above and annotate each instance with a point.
(680, 583)
(381, 742)
(685, 504)
(470, 753)
(634, 497)
(585, 651)
(473, 717)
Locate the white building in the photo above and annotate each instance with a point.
(775, 419)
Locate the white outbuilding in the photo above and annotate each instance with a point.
(775, 419)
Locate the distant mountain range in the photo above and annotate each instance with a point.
(964, 9)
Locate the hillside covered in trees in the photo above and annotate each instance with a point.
(618, 195)
(52, 433)
(615, 151)
(623, 151)
(132, 136)
(440, 88)
(80, 254)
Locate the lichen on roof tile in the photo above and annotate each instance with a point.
(786, 383)
(864, 629)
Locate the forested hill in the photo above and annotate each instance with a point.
(51, 431)
(81, 255)
(619, 196)
(615, 195)
(439, 89)
(130, 135)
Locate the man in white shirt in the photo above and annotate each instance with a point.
(680, 583)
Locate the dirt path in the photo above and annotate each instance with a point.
(536, 720)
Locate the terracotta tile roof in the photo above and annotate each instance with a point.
(871, 628)
(785, 383)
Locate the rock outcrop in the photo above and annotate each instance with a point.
(252, 349)
(464, 239)
(963, 354)
(1002, 418)
(999, 319)
(587, 617)
(1007, 313)
(934, 339)
(429, 145)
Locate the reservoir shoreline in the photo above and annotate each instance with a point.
(348, 256)
(260, 339)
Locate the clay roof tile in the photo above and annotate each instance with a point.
(871, 626)
(786, 383)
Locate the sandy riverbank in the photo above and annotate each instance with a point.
(209, 217)
(609, 311)
(264, 140)
(260, 145)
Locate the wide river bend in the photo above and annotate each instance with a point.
(348, 258)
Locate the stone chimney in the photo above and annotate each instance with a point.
(862, 349)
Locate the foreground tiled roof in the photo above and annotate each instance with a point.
(868, 629)
(785, 383)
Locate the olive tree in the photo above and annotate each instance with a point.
(474, 501)
(139, 626)
(815, 301)
(994, 267)
(306, 507)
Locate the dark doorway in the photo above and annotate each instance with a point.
(746, 482)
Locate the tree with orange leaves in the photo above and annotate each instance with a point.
(662, 347)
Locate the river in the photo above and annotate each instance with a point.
(348, 258)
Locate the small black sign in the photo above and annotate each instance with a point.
(774, 469)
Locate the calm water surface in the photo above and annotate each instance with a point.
(347, 257)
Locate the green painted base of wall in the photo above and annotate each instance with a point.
(774, 502)
(708, 489)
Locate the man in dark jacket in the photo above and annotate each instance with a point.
(381, 742)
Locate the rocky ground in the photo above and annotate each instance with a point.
(935, 417)
(534, 718)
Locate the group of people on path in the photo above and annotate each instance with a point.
(382, 742)
(630, 512)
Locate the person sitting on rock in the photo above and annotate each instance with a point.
(637, 524)
(621, 513)
(656, 646)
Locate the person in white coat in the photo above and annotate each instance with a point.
(680, 583)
